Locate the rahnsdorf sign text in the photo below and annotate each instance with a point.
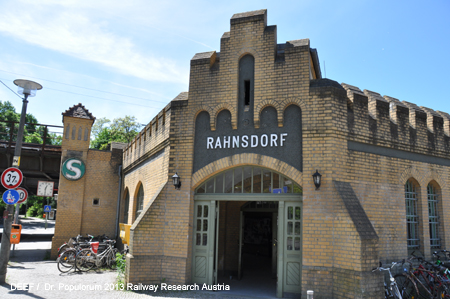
(244, 141)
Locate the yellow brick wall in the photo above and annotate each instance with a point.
(76, 213)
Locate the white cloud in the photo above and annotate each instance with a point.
(73, 33)
(65, 73)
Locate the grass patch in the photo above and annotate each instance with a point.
(121, 268)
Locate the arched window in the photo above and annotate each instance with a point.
(139, 201)
(433, 216)
(246, 87)
(412, 215)
(126, 207)
(249, 179)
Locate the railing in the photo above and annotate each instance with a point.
(36, 136)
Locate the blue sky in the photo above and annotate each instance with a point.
(132, 57)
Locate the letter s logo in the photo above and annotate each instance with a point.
(73, 169)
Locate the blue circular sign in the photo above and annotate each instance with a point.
(11, 197)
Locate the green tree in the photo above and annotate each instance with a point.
(122, 129)
(98, 126)
(54, 139)
(125, 129)
(34, 137)
(102, 140)
(8, 114)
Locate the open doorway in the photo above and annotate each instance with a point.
(258, 253)
(248, 247)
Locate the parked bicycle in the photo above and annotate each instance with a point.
(68, 252)
(419, 278)
(66, 260)
(79, 239)
(391, 289)
(90, 257)
(429, 278)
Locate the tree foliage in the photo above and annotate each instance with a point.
(122, 129)
(32, 133)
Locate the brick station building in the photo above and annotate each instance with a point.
(257, 123)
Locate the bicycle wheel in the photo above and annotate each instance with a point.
(406, 286)
(85, 260)
(63, 248)
(66, 261)
(444, 292)
(112, 259)
(426, 286)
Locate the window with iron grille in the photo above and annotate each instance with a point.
(433, 216)
(139, 201)
(412, 218)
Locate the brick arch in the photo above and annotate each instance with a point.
(247, 51)
(246, 159)
(200, 108)
(288, 102)
(411, 172)
(233, 112)
(134, 198)
(437, 177)
(260, 106)
(122, 204)
(435, 184)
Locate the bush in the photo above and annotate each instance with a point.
(121, 266)
(31, 211)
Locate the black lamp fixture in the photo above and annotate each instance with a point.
(317, 179)
(176, 181)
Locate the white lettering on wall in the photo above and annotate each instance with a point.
(209, 143)
(218, 145)
(274, 140)
(244, 141)
(235, 141)
(254, 141)
(264, 140)
(226, 142)
(282, 138)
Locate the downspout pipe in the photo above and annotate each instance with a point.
(118, 202)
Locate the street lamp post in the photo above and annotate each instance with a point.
(27, 89)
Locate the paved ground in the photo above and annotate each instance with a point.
(31, 275)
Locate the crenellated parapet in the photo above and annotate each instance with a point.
(388, 122)
(446, 118)
(153, 137)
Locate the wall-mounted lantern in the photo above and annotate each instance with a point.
(176, 181)
(317, 179)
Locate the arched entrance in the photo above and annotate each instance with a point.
(239, 208)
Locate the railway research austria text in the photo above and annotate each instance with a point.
(117, 286)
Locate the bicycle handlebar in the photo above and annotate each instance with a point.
(380, 268)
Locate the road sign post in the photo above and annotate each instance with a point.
(28, 89)
(47, 209)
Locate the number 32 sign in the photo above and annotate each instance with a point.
(11, 178)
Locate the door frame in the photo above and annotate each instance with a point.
(282, 199)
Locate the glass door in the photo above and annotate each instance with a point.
(203, 263)
(289, 248)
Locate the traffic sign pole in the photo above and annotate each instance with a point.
(27, 88)
(46, 216)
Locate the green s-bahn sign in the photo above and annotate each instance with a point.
(73, 169)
